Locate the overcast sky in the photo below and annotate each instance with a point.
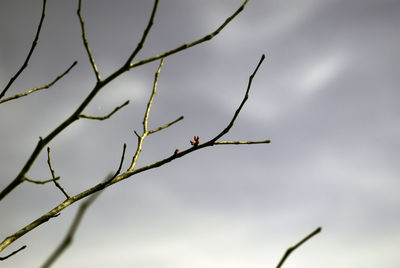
(327, 96)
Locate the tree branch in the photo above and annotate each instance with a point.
(130, 172)
(293, 248)
(40, 88)
(34, 43)
(98, 86)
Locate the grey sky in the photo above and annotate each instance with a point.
(327, 96)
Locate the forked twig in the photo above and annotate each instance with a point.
(54, 175)
(293, 248)
(40, 88)
(146, 118)
(34, 43)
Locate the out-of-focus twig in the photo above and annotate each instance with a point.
(293, 248)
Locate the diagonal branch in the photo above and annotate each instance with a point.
(106, 116)
(34, 43)
(293, 248)
(194, 43)
(40, 88)
(86, 43)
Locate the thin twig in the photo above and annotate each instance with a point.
(188, 45)
(293, 248)
(153, 93)
(119, 167)
(41, 182)
(241, 142)
(39, 88)
(86, 43)
(166, 125)
(12, 253)
(106, 116)
(54, 175)
(34, 43)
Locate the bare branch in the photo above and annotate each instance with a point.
(153, 93)
(12, 253)
(188, 45)
(54, 175)
(241, 142)
(86, 43)
(106, 116)
(40, 88)
(34, 43)
(166, 125)
(130, 172)
(293, 248)
(41, 182)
